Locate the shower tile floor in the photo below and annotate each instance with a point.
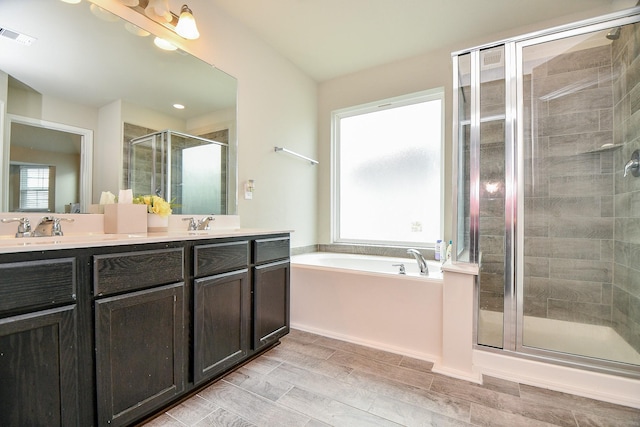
(601, 342)
(310, 380)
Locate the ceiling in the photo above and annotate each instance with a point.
(330, 38)
(324, 38)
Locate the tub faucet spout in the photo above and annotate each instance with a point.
(424, 270)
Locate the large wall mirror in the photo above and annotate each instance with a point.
(89, 80)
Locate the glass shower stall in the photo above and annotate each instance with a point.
(546, 140)
(187, 170)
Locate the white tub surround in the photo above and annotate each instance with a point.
(457, 322)
(397, 313)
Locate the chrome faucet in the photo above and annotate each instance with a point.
(202, 224)
(424, 269)
(50, 226)
(24, 228)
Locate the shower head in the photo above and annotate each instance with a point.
(614, 33)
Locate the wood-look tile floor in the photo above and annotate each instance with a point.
(310, 380)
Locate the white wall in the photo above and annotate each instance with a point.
(276, 106)
(423, 72)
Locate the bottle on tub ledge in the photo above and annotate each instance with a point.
(438, 250)
(443, 252)
(449, 247)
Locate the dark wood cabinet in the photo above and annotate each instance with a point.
(38, 369)
(139, 332)
(270, 303)
(221, 322)
(222, 306)
(139, 352)
(38, 343)
(111, 335)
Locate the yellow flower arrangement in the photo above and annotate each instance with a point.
(155, 204)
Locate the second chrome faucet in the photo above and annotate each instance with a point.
(197, 225)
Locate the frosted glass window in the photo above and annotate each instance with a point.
(388, 171)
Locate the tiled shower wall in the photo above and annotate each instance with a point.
(569, 212)
(492, 177)
(626, 266)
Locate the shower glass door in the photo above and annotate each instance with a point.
(480, 107)
(579, 216)
(146, 166)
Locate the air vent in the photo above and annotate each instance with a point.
(17, 37)
(492, 58)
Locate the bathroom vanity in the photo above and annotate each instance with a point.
(110, 329)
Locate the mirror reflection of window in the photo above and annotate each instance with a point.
(32, 188)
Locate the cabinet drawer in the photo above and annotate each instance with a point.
(136, 270)
(220, 257)
(37, 283)
(265, 250)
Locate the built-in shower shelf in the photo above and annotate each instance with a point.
(605, 147)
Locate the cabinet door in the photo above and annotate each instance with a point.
(38, 369)
(139, 352)
(270, 303)
(221, 322)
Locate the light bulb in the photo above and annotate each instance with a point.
(187, 24)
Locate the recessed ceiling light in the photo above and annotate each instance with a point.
(163, 44)
(72, 1)
(178, 106)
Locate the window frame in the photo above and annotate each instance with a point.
(388, 103)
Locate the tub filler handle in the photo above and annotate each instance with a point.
(401, 270)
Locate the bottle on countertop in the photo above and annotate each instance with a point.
(438, 250)
(449, 247)
(443, 251)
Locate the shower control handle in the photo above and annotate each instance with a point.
(633, 165)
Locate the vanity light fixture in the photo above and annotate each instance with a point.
(187, 27)
(158, 10)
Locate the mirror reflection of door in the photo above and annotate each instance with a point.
(44, 169)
